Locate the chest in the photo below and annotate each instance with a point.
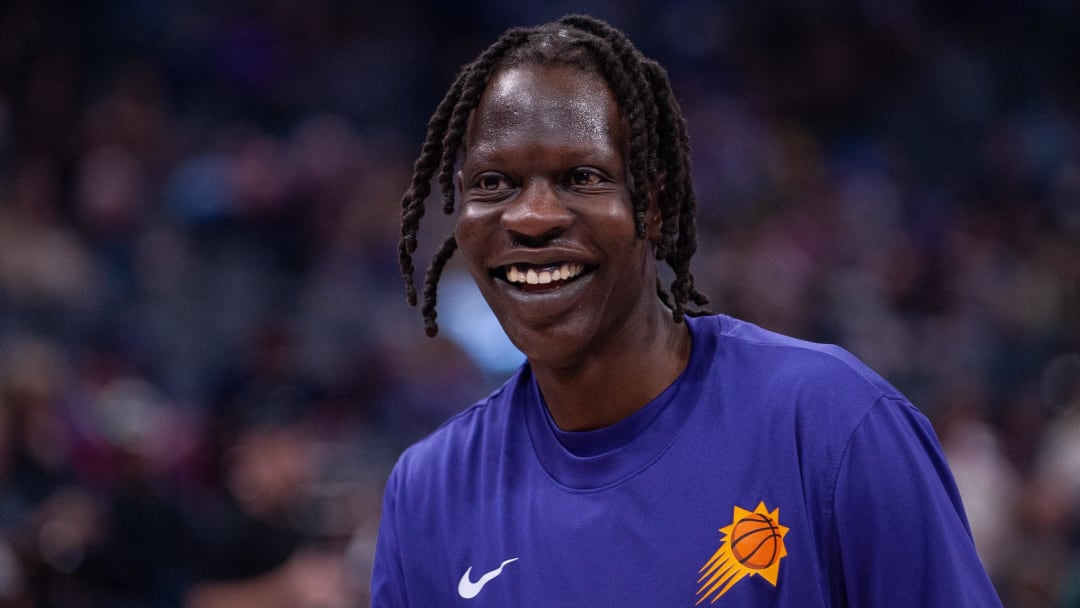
(684, 530)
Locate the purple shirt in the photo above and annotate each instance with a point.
(772, 472)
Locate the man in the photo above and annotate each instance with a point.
(646, 454)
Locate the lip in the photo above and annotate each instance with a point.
(551, 297)
(541, 257)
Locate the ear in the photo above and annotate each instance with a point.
(653, 218)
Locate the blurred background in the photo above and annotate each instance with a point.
(207, 366)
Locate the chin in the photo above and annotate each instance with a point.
(555, 344)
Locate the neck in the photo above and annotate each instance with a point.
(609, 386)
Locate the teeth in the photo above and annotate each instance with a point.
(530, 276)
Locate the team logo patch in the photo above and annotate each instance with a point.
(752, 545)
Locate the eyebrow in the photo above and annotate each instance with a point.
(570, 156)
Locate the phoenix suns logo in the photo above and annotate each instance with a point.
(752, 544)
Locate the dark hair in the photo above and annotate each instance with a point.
(658, 145)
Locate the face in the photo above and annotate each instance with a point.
(546, 224)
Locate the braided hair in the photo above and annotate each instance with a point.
(659, 146)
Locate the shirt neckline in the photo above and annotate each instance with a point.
(601, 458)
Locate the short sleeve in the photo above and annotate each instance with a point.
(387, 574)
(901, 537)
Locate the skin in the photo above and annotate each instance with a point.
(544, 181)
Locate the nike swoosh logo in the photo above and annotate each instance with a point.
(468, 589)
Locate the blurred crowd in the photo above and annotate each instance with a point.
(207, 366)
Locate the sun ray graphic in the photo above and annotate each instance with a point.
(752, 544)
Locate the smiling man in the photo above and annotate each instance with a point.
(646, 454)
(547, 230)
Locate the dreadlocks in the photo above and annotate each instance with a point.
(659, 146)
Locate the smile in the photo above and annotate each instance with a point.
(526, 274)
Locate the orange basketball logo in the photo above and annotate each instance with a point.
(755, 541)
(752, 545)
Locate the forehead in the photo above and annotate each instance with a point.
(539, 101)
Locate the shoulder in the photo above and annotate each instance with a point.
(773, 358)
(466, 439)
(821, 386)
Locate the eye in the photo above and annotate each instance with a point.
(585, 177)
(491, 182)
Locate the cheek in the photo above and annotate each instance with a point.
(472, 232)
(616, 221)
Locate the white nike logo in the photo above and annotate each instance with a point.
(468, 589)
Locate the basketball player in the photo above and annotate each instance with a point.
(647, 454)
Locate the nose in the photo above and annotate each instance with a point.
(537, 215)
